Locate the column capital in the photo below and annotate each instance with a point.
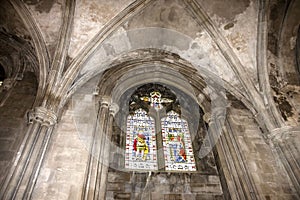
(207, 117)
(42, 115)
(105, 100)
(113, 109)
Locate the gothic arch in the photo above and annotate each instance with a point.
(126, 76)
(143, 60)
(39, 43)
(114, 84)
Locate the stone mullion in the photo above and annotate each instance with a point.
(8, 87)
(159, 143)
(105, 155)
(92, 176)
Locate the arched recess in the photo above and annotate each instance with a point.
(119, 82)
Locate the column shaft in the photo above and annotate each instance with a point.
(22, 177)
(105, 163)
(93, 175)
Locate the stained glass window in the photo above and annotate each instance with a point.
(141, 134)
(155, 100)
(177, 144)
(140, 142)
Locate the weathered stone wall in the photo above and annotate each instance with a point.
(262, 162)
(162, 185)
(14, 102)
(62, 175)
(126, 184)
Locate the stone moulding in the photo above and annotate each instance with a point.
(42, 115)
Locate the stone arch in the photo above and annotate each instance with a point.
(201, 80)
(116, 81)
(129, 73)
(136, 75)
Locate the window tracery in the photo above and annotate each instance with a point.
(164, 129)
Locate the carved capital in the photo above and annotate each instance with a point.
(113, 109)
(105, 101)
(42, 115)
(207, 117)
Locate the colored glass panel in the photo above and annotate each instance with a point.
(140, 142)
(177, 145)
(156, 100)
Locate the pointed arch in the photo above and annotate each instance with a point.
(39, 44)
(77, 63)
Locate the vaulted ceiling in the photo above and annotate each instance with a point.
(246, 44)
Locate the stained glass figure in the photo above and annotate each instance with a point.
(177, 144)
(140, 142)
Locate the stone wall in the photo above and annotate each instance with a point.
(126, 184)
(63, 172)
(262, 162)
(162, 185)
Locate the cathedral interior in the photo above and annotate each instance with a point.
(150, 99)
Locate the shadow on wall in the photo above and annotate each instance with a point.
(2, 75)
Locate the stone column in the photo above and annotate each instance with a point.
(97, 168)
(105, 162)
(23, 173)
(234, 173)
(286, 141)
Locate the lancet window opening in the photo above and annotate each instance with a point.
(157, 137)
